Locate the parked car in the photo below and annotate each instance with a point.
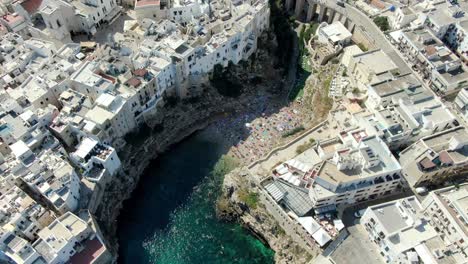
(421, 190)
(358, 214)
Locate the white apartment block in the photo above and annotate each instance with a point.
(96, 159)
(457, 38)
(431, 231)
(47, 173)
(18, 249)
(112, 116)
(402, 17)
(70, 123)
(19, 58)
(58, 241)
(56, 181)
(446, 211)
(57, 19)
(21, 215)
(334, 34)
(70, 239)
(355, 168)
(461, 102)
(436, 158)
(443, 15)
(433, 61)
(88, 81)
(401, 233)
(371, 67)
(180, 11)
(28, 127)
(402, 111)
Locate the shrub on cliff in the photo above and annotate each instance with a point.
(301, 148)
(292, 131)
(249, 198)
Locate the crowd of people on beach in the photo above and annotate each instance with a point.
(254, 131)
(264, 133)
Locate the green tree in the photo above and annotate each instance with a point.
(382, 23)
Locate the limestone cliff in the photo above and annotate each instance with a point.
(240, 202)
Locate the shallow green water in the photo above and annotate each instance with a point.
(171, 217)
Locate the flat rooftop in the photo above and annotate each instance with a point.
(389, 215)
(330, 172)
(376, 60)
(336, 32)
(393, 87)
(440, 141)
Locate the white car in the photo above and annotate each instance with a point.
(421, 190)
(358, 214)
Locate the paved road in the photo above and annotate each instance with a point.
(362, 21)
(357, 249)
(348, 214)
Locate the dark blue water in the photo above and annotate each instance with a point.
(171, 219)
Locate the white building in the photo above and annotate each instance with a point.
(461, 102)
(18, 249)
(433, 231)
(401, 233)
(443, 15)
(445, 209)
(96, 159)
(436, 158)
(88, 81)
(14, 23)
(433, 61)
(403, 111)
(335, 34)
(56, 180)
(457, 38)
(59, 241)
(21, 215)
(56, 19)
(371, 67)
(361, 168)
(402, 17)
(112, 115)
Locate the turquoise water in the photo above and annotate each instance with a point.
(171, 219)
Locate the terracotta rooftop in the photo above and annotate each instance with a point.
(93, 249)
(445, 157)
(430, 50)
(105, 76)
(377, 3)
(427, 164)
(140, 72)
(31, 6)
(134, 82)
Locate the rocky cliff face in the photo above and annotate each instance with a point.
(238, 203)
